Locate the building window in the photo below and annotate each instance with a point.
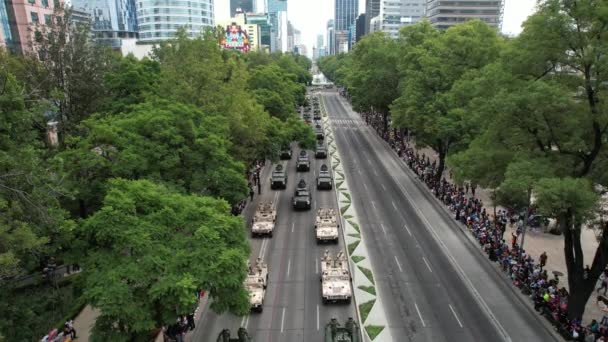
(45, 3)
(31, 1)
(48, 19)
(34, 18)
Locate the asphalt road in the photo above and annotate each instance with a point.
(293, 310)
(433, 280)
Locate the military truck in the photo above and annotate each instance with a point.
(243, 336)
(321, 151)
(303, 163)
(350, 332)
(319, 132)
(327, 226)
(285, 153)
(324, 180)
(335, 279)
(278, 179)
(301, 197)
(256, 283)
(264, 219)
(317, 114)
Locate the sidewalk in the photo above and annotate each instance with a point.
(536, 242)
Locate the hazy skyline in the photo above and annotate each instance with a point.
(311, 16)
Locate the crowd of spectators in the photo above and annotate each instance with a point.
(531, 277)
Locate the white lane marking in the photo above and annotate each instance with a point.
(374, 205)
(375, 173)
(398, 264)
(317, 316)
(293, 226)
(370, 162)
(383, 187)
(394, 205)
(316, 266)
(283, 320)
(288, 267)
(408, 230)
(263, 249)
(455, 316)
(427, 264)
(420, 315)
(365, 186)
(359, 170)
(383, 229)
(245, 321)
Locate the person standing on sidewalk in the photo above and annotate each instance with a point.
(543, 260)
(604, 285)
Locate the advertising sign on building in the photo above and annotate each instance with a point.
(236, 38)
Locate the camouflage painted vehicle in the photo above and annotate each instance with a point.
(256, 283)
(335, 279)
(264, 219)
(327, 226)
(336, 333)
(242, 334)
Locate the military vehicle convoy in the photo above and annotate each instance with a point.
(255, 283)
(350, 332)
(324, 180)
(335, 279)
(285, 153)
(243, 336)
(278, 179)
(264, 219)
(303, 163)
(301, 197)
(327, 226)
(321, 151)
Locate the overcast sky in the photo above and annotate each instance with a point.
(311, 16)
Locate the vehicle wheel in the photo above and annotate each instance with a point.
(336, 241)
(324, 301)
(270, 234)
(348, 301)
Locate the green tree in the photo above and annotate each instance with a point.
(433, 64)
(149, 249)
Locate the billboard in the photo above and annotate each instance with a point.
(236, 38)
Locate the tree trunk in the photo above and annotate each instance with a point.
(443, 151)
(385, 121)
(580, 289)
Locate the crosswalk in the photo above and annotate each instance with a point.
(346, 123)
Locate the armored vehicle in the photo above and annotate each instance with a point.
(255, 283)
(242, 334)
(303, 163)
(319, 132)
(327, 226)
(285, 153)
(301, 197)
(278, 179)
(350, 332)
(321, 151)
(264, 219)
(335, 278)
(317, 114)
(324, 180)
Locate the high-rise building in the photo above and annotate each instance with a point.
(25, 19)
(372, 10)
(111, 20)
(345, 14)
(161, 19)
(290, 36)
(396, 14)
(331, 38)
(5, 29)
(360, 26)
(277, 11)
(320, 41)
(263, 22)
(245, 5)
(444, 14)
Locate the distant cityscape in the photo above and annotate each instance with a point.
(254, 25)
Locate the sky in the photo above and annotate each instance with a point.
(311, 16)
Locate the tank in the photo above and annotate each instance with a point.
(256, 283)
(242, 334)
(335, 279)
(264, 219)
(350, 332)
(326, 225)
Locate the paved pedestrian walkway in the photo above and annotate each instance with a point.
(536, 242)
(83, 323)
